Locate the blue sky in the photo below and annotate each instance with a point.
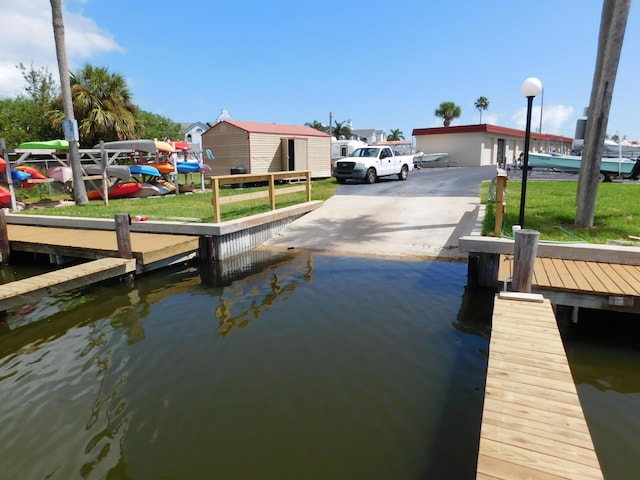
(379, 64)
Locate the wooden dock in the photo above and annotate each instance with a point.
(150, 250)
(532, 424)
(34, 288)
(582, 283)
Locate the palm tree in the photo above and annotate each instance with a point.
(79, 190)
(448, 111)
(317, 125)
(103, 104)
(395, 135)
(482, 103)
(340, 130)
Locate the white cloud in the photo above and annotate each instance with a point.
(554, 118)
(27, 37)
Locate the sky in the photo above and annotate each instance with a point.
(378, 64)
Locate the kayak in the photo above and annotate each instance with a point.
(45, 145)
(19, 176)
(5, 196)
(163, 167)
(187, 167)
(147, 146)
(121, 172)
(144, 170)
(60, 174)
(119, 190)
(34, 174)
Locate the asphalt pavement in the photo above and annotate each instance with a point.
(422, 217)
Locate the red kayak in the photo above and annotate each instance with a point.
(119, 190)
(35, 174)
(5, 196)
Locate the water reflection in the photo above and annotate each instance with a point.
(351, 368)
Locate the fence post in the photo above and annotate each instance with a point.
(215, 198)
(501, 202)
(524, 258)
(272, 191)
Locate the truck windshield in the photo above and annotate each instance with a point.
(365, 152)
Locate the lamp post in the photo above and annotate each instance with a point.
(530, 88)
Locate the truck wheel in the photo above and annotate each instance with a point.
(404, 173)
(603, 177)
(371, 176)
(341, 180)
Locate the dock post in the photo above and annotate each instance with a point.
(206, 249)
(501, 202)
(123, 235)
(4, 239)
(524, 258)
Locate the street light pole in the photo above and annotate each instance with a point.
(530, 88)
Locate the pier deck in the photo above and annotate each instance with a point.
(532, 423)
(148, 248)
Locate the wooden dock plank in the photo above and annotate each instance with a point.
(580, 276)
(532, 423)
(30, 289)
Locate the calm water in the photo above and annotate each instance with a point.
(304, 366)
(314, 367)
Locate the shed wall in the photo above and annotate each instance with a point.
(230, 145)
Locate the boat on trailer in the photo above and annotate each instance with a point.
(609, 167)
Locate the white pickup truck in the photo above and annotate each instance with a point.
(370, 162)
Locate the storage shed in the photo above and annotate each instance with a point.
(484, 144)
(255, 147)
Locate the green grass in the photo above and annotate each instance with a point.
(191, 207)
(550, 208)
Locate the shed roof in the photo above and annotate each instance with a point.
(275, 128)
(487, 128)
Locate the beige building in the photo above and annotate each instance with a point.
(266, 147)
(483, 144)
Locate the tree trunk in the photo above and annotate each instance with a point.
(79, 190)
(612, 28)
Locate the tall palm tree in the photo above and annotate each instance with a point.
(448, 111)
(482, 103)
(340, 130)
(79, 190)
(395, 135)
(103, 104)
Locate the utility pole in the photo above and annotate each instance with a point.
(330, 124)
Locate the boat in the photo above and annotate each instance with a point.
(164, 146)
(5, 196)
(163, 167)
(34, 174)
(609, 167)
(19, 175)
(187, 167)
(144, 170)
(60, 174)
(119, 190)
(121, 172)
(148, 190)
(426, 160)
(141, 145)
(45, 145)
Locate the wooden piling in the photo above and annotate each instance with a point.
(525, 251)
(4, 239)
(501, 202)
(123, 235)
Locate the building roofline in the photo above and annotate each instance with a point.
(487, 128)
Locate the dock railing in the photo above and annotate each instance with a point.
(271, 193)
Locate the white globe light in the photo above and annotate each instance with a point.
(531, 87)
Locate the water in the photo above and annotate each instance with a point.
(312, 367)
(300, 366)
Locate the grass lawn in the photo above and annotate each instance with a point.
(550, 208)
(185, 207)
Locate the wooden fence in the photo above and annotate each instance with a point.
(271, 193)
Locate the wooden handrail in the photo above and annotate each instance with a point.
(270, 178)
